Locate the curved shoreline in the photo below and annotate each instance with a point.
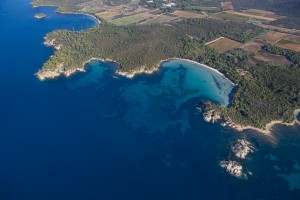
(142, 70)
(213, 116)
(50, 74)
(208, 67)
(73, 13)
(268, 128)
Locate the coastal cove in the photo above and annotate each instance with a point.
(42, 75)
(105, 134)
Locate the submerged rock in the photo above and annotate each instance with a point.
(233, 168)
(242, 148)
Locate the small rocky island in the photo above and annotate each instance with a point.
(40, 16)
(240, 149)
(233, 168)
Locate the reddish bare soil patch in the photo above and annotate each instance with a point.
(294, 38)
(288, 44)
(272, 37)
(225, 44)
(253, 47)
(227, 5)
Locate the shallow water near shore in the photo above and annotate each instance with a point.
(97, 135)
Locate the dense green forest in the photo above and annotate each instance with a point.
(272, 93)
(134, 46)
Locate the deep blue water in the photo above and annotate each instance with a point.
(97, 135)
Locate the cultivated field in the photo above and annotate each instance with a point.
(289, 44)
(202, 8)
(253, 47)
(276, 28)
(294, 38)
(107, 15)
(131, 19)
(262, 12)
(227, 5)
(282, 40)
(272, 37)
(275, 60)
(158, 19)
(251, 16)
(185, 14)
(256, 48)
(229, 16)
(224, 44)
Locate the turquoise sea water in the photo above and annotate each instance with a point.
(97, 135)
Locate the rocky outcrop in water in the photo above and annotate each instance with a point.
(212, 116)
(51, 43)
(233, 168)
(40, 16)
(58, 71)
(242, 148)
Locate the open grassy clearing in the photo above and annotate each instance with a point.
(224, 44)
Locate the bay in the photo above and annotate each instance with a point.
(83, 137)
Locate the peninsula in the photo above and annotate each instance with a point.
(266, 91)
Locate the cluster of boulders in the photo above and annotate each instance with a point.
(232, 167)
(241, 149)
(212, 116)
